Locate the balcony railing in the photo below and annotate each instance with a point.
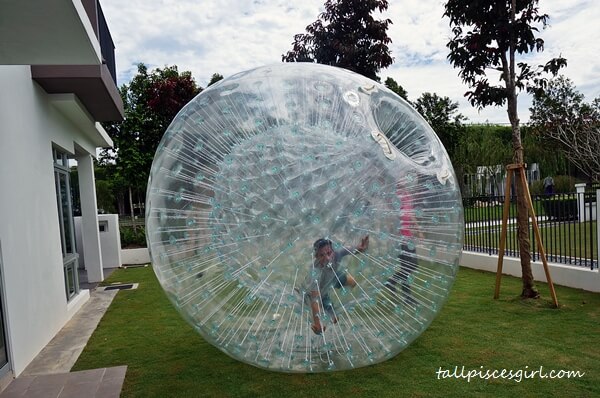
(107, 46)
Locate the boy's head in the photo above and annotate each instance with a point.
(323, 251)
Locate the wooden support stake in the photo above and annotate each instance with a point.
(520, 168)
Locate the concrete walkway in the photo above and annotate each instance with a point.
(48, 375)
(97, 383)
(62, 352)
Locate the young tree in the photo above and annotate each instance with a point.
(151, 101)
(346, 35)
(441, 114)
(487, 36)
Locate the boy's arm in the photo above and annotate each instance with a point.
(362, 247)
(364, 244)
(315, 307)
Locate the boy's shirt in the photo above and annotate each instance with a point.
(322, 278)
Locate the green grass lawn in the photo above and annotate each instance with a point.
(494, 213)
(166, 358)
(475, 214)
(484, 214)
(562, 239)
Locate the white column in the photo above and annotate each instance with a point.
(580, 188)
(89, 219)
(598, 228)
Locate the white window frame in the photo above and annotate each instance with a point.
(65, 221)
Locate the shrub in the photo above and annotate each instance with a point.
(564, 184)
(560, 208)
(536, 187)
(131, 238)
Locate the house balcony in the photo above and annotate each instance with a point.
(92, 84)
(70, 50)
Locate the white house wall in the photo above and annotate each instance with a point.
(34, 289)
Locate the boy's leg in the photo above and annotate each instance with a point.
(396, 278)
(409, 267)
(407, 295)
(407, 264)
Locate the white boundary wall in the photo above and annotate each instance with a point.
(135, 256)
(110, 240)
(571, 276)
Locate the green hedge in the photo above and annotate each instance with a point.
(562, 184)
(560, 208)
(131, 238)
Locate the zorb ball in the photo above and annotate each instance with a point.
(261, 171)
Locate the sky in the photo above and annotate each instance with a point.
(230, 36)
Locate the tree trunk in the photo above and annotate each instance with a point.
(529, 289)
(121, 203)
(132, 210)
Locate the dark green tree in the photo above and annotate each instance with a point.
(215, 78)
(488, 35)
(395, 87)
(442, 115)
(559, 103)
(151, 101)
(346, 35)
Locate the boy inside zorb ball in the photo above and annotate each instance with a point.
(264, 165)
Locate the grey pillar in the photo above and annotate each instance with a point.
(90, 233)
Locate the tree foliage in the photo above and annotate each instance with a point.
(581, 145)
(442, 115)
(167, 91)
(346, 35)
(481, 149)
(563, 120)
(547, 155)
(559, 103)
(484, 145)
(151, 101)
(396, 88)
(487, 37)
(566, 123)
(215, 78)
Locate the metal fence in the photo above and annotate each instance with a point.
(568, 227)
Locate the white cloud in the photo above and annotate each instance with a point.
(228, 36)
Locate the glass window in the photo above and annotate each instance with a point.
(65, 218)
(60, 158)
